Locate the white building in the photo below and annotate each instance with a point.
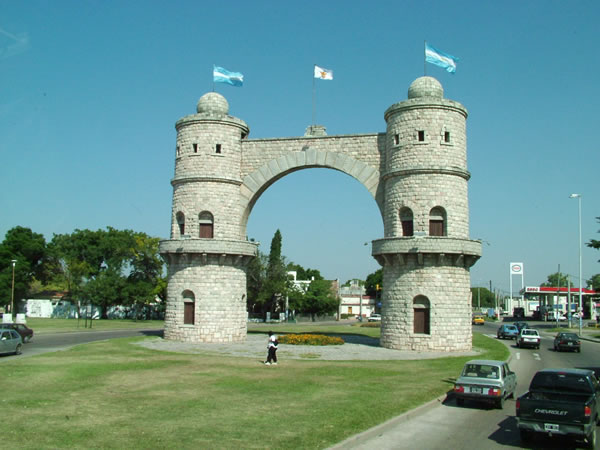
(354, 301)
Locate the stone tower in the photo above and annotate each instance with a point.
(207, 253)
(416, 172)
(426, 252)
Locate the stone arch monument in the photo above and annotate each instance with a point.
(416, 171)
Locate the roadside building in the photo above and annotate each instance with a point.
(550, 303)
(354, 301)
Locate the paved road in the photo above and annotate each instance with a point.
(444, 425)
(44, 343)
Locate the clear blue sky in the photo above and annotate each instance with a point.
(90, 92)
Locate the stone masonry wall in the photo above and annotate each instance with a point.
(220, 300)
(447, 289)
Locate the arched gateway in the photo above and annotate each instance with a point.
(416, 172)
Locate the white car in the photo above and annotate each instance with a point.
(528, 337)
(375, 318)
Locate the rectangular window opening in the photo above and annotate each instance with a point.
(446, 136)
(218, 149)
(421, 136)
(195, 148)
(396, 139)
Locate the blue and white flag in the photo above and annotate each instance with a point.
(439, 58)
(221, 75)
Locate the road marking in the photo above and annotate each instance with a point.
(537, 357)
(518, 355)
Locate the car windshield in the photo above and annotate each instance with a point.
(561, 382)
(510, 328)
(569, 336)
(480, 371)
(530, 332)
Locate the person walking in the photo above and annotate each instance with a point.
(272, 350)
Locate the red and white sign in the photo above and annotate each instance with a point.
(516, 268)
(532, 289)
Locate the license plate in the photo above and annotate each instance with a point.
(476, 390)
(570, 343)
(550, 427)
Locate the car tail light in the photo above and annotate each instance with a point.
(587, 411)
(494, 391)
(518, 404)
(460, 389)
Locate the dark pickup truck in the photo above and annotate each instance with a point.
(561, 402)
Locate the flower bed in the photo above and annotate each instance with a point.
(309, 339)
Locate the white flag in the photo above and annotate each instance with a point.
(323, 74)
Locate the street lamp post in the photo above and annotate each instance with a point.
(578, 196)
(12, 297)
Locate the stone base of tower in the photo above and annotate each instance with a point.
(426, 300)
(206, 294)
(426, 308)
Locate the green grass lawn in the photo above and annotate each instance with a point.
(115, 394)
(42, 326)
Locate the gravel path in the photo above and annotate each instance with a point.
(355, 348)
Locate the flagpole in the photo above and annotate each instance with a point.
(213, 78)
(313, 95)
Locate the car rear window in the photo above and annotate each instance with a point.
(561, 381)
(481, 371)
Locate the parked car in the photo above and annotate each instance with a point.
(478, 320)
(375, 318)
(25, 332)
(485, 380)
(521, 325)
(567, 341)
(528, 337)
(560, 402)
(10, 341)
(507, 331)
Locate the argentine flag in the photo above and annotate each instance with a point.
(221, 75)
(439, 58)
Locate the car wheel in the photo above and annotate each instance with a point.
(18, 349)
(460, 401)
(579, 350)
(500, 402)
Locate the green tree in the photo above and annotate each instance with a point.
(304, 274)
(593, 242)
(374, 281)
(319, 299)
(556, 279)
(594, 282)
(482, 297)
(110, 267)
(276, 283)
(256, 276)
(30, 252)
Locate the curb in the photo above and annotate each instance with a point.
(380, 429)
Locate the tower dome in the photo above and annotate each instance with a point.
(426, 87)
(212, 104)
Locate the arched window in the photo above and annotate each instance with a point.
(406, 219)
(180, 217)
(189, 308)
(421, 315)
(437, 221)
(206, 223)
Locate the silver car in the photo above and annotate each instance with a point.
(10, 341)
(485, 380)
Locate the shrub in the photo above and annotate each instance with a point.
(371, 324)
(309, 339)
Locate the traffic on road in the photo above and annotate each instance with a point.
(461, 421)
